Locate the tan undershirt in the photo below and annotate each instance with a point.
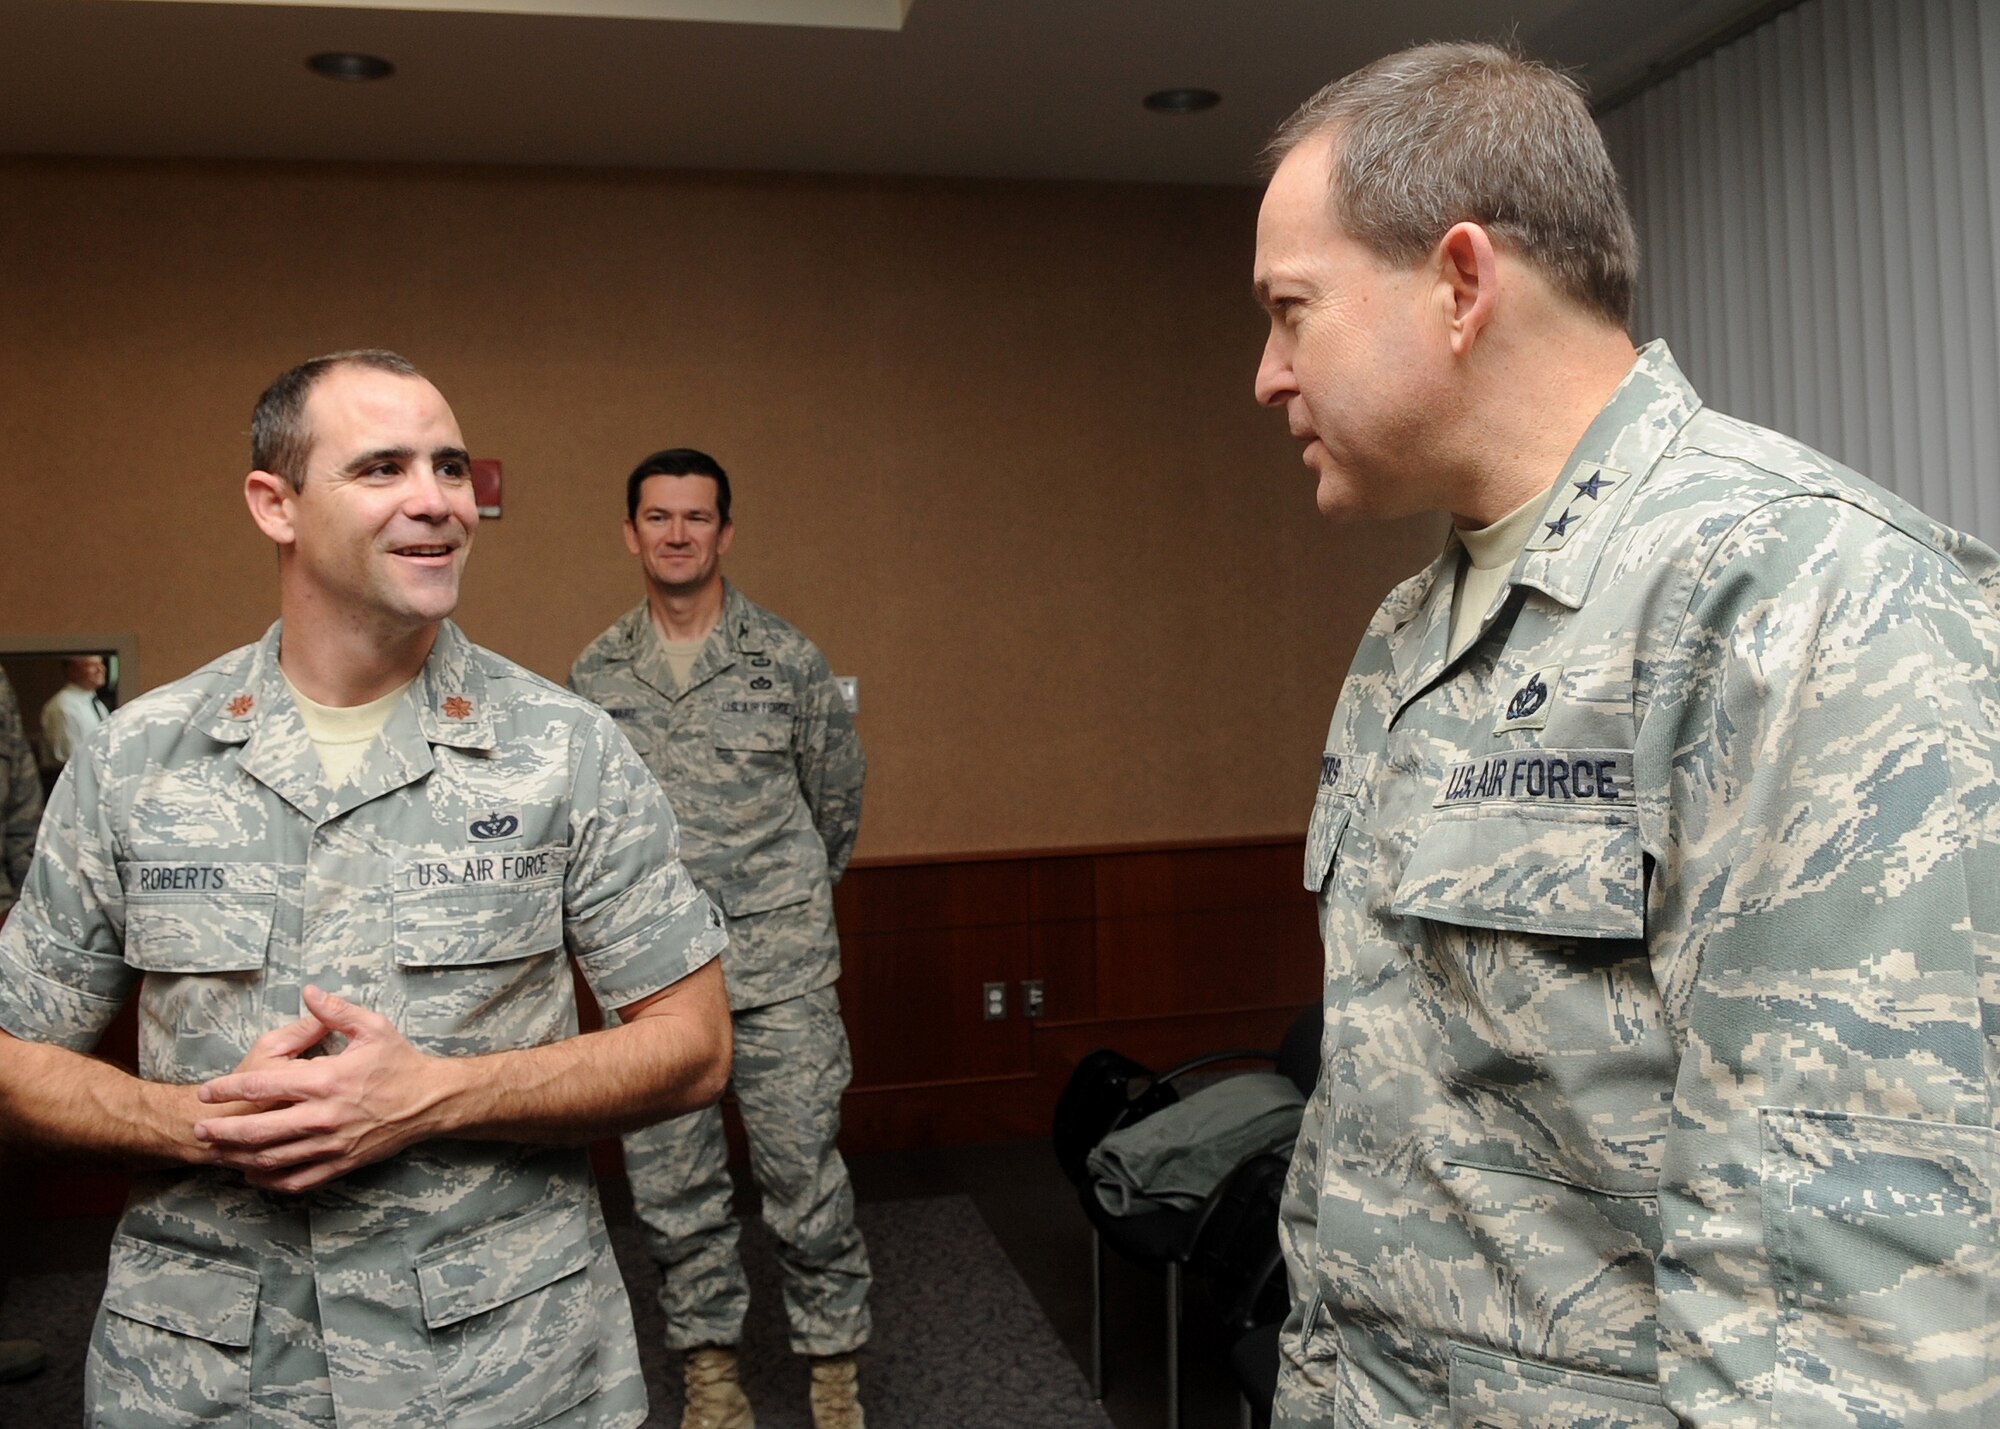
(681, 655)
(342, 734)
(1490, 553)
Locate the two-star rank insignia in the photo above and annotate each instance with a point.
(457, 707)
(1589, 490)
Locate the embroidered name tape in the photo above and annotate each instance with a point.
(1343, 773)
(1540, 776)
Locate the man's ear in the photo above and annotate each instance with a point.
(631, 536)
(723, 538)
(270, 497)
(1469, 283)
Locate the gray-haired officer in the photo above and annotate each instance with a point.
(738, 715)
(1655, 839)
(348, 869)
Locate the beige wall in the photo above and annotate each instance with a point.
(993, 445)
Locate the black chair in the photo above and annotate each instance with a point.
(1109, 1090)
(1253, 1359)
(1236, 1256)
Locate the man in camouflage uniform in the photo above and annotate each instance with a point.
(1658, 896)
(739, 717)
(20, 811)
(361, 1086)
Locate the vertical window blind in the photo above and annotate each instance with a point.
(1817, 205)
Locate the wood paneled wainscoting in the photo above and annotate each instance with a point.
(1162, 951)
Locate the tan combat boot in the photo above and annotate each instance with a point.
(836, 1397)
(715, 1398)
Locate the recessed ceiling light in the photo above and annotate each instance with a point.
(336, 64)
(1181, 101)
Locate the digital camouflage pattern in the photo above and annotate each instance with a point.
(497, 829)
(1662, 1000)
(20, 798)
(761, 761)
(764, 770)
(790, 1068)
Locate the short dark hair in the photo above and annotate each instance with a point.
(1451, 133)
(678, 461)
(280, 439)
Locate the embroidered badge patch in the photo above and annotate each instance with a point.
(1528, 702)
(495, 825)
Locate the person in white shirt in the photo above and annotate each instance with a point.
(73, 711)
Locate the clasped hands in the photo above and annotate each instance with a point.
(290, 1123)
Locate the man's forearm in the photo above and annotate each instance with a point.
(57, 1102)
(603, 1083)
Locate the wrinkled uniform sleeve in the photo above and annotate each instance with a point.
(63, 974)
(633, 919)
(20, 799)
(830, 764)
(1818, 775)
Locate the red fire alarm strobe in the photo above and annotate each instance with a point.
(486, 487)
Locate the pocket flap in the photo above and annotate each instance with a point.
(181, 1291)
(753, 734)
(479, 907)
(741, 897)
(199, 933)
(1570, 871)
(1330, 815)
(1495, 1389)
(471, 1274)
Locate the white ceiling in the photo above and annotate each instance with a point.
(977, 88)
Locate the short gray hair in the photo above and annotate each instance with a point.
(1463, 132)
(280, 439)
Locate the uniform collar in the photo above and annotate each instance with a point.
(740, 627)
(448, 703)
(1624, 440)
(742, 623)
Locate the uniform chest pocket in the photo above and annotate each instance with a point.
(198, 917)
(479, 906)
(479, 951)
(752, 736)
(1547, 1027)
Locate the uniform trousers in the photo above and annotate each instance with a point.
(791, 1065)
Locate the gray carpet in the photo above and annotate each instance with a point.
(958, 1341)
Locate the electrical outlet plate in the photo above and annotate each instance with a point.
(1032, 999)
(994, 1000)
(850, 692)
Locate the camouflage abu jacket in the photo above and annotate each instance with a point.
(498, 828)
(1662, 997)
(761, 763)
